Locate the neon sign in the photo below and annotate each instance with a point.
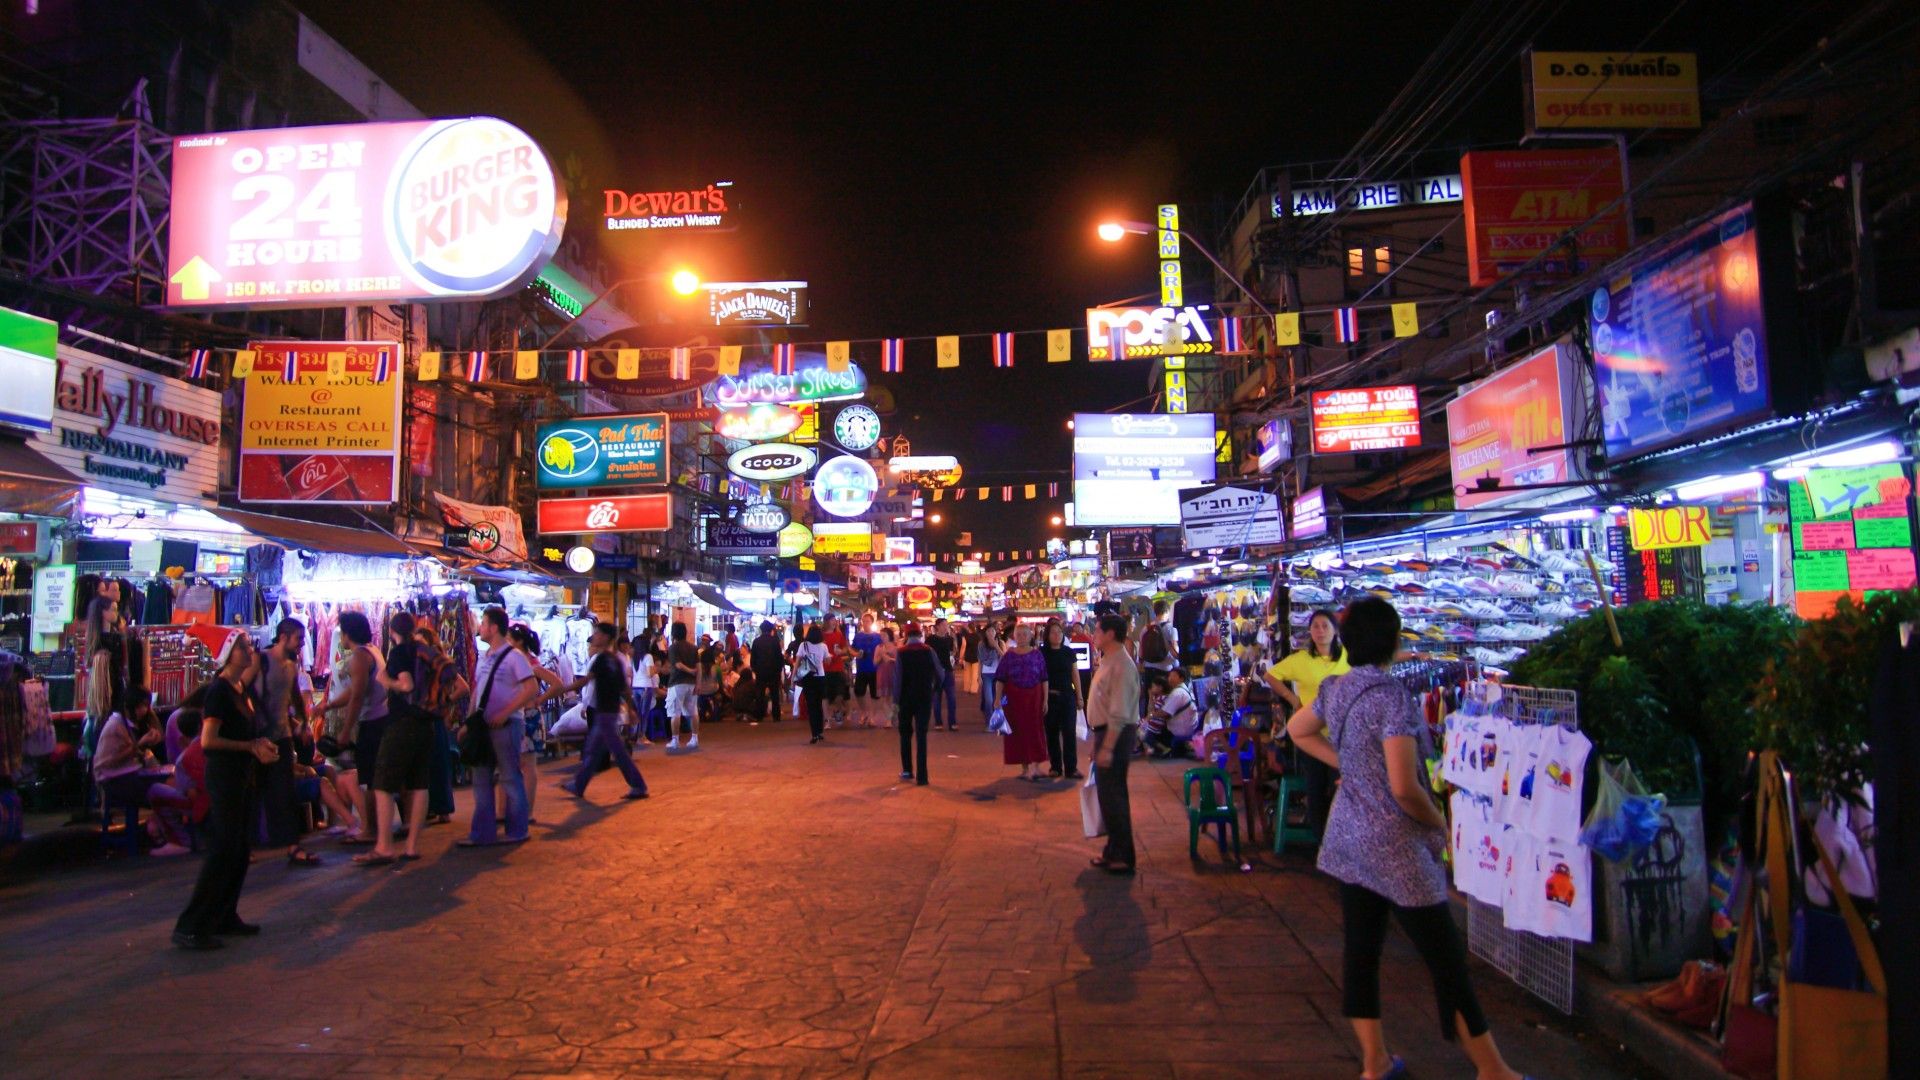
(758, 423)
(810, 381)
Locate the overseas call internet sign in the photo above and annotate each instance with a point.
(314, 216)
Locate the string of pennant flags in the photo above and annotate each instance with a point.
(1005, 493)
(1231, 338)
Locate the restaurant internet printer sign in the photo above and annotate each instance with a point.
(332, 434)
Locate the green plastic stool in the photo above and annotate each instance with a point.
(1283, 832)
(1209, 811)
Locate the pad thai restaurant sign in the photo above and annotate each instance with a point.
(133, 431)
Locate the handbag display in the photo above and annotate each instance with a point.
(476, 736)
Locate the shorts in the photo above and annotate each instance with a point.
(533, 737)
(366, 748)
(406, 757)
(681, 704)
(864, 685)
(836, 687)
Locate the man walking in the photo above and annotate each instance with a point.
(683, 671)
(838, 688)
(769, 663)
(277, 687)
(1113, 712)
(603, 741)
(866, 672)
(942, 644)
(919, 679)
(505, 685)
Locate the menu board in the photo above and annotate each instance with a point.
(1680, 341)
(1852, 535)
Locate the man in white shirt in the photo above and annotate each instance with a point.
(1113, 713)
(1159, 651)
(503, 685)
(646, 687)
(1174, 720)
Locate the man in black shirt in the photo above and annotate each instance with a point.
(941, 642)
(607, 682)
(769, 664)
(921, 674)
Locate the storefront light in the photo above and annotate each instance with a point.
(343, 590)
(1878, 453)
(1568, 515)
(1719, 485)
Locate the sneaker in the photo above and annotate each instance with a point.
(906, 776)
(166, 850)
(693, 742)
(673, 743)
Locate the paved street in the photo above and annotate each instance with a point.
(774, 910)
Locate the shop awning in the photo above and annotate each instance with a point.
(713, 596)
(30, 484)
(314, 535)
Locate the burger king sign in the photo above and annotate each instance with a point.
(312, 217)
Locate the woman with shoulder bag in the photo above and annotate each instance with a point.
(406, 753)
(810, 672)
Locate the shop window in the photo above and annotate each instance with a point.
(1382, 260)
(1356, 261)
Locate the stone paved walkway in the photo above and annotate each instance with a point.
(774, 910)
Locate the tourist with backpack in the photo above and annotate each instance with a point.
(1159, 653)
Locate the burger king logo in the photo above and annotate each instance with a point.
(473, 207)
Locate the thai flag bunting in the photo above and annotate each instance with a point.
(1003, 350)
(1006, 493)
(1053, 490)
(1229, 335)
(680, 364)
(1346, 324)
(197, 363)
(476, 366)
(290, 371)
(783, 359)
(576, 365)
(382, 365)
(1117, 343)
(893, 355)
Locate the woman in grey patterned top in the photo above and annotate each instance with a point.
(1385, 839)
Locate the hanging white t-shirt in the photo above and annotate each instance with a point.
(1558, 780)
(1477, 848)
(1551, 892)
(1519, 758)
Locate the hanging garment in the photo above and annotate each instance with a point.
(1478, 841)
(1550, 892)
(1557, 784)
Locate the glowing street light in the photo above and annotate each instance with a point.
(685, 282)
(935, 518)
(1056, 519)
(1115, 231)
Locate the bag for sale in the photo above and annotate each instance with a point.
(1091, 822)
(1080, 729)
(1625, 817)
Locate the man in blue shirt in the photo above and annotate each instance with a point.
(866, 697)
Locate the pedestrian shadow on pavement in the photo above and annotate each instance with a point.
(1112, 931)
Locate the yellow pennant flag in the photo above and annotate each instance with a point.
(937, 493)
(729, 362)
(429, 367)
(526, 365)
(839, 355)
(626, 363)
(1031, 491)
(1406, 319)
(336, 366)
(1286, 328)
(243, 363)
(983, 494)
(1059, 346)
(946, 351)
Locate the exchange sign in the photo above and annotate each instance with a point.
(613, 513)
(1367, 418)
(1497, 427)
(602, 451)
(771, 461)
(1520, 203)
(319, 216)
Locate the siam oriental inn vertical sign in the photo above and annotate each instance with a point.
(133, 431)
(329, 434)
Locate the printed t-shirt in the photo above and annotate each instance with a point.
(834, 641)
(864, 643)
(1558, 779)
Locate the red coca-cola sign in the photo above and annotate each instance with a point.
(612, 513)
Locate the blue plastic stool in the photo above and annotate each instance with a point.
(1284, 833)
(129, 838)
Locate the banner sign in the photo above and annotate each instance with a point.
(29, 368)
(1273, 441)
(1310, 201)
(903, 577)
(1129, 468)
(1130, 545)
(771, 462)
(726, 538)
(1310, 513)
(1680, 342)
(602, 451)
(1852, 534)
(497, 528)
(757, 423)
(53, 589)
(1519, 202)
(847, 538)
(332, 434)
(323, 216)
(1231, 517)
(131, 431)
(704, 209)
(757, 303)
(1365, 418)
(613, 513)
(811, 380)
(1495, 425)
(1586, 91)
(1160, 331)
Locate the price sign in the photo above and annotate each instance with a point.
(1883, 532)
(1820, 571)
(1824, 536)
(1881, 568)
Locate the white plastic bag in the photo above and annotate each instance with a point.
(1090, 820)
(997, 723)
(1080, 729)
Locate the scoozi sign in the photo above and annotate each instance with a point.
(617, 513)
(602, 451)
(314, 216)
(771, 461)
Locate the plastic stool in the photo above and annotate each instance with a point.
(1209, 812)
(1283, 832)
(130, 837)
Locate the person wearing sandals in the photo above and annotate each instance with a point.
(1020, 689)
(1113, 714)
(277, 690)
(406, 754)
(362, 712)
(1385, 842)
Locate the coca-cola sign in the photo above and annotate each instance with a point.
(613, 513)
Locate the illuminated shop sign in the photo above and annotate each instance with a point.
(771, 461)
(613, 513)
(1327, 198)
(845, 486)
(692, 209)
(602, 451)
(1149, 330)
(1366, 418)
(1583, 91)
(131, 431)
(757, 423)
(1310, 513)
(28, 369)
(1128, 468)
(764, 517)
(811, 380)
(757, 303)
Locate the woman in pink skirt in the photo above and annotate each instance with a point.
(1020, 687)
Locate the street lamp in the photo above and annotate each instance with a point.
(1114, 231)
(685, 282)
(934, 518)
(1056, 519)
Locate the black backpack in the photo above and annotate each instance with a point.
(1153, 645)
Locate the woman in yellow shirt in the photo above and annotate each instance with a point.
(1322, 659)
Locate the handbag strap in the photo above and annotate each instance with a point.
(1856, 926)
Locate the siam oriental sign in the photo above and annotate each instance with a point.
(602, 451)
(129, 430)
(1392, 194)
(693, 209)
(757, 303)
(317, 216)
(612, 513)
(811, 380)
(1149, 331)
(1366, 418)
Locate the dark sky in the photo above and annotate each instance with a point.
(934, 168)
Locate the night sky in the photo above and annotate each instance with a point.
(936, 170)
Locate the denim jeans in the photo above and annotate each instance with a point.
(603, 742)
(944, 694)
(987, 688)
(506, 752)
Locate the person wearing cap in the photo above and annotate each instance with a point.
(235, 745)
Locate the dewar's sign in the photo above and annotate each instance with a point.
(692, 208)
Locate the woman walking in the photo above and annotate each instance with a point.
(1063, 703)
(1020, 687)
(886, 665)
(990, 650)
(1385, 840)
(235, 748)
(810, 671)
